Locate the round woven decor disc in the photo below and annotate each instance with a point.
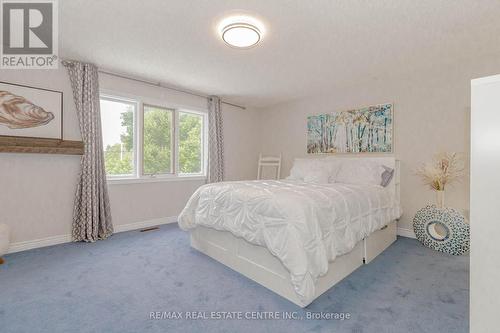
(442, 229)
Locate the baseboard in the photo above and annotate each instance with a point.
(145, 224)
(36, 243)
(61, 239)
(406, 232)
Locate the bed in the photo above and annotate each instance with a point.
(299, 236)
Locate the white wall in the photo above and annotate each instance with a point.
(431, 115)
(484, 203)
(36, 190)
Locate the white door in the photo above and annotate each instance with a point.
(485, 205)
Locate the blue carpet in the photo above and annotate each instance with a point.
(112, 286)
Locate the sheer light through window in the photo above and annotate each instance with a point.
(190, 143)
(117, 120)
(149, 141)
(157, 140)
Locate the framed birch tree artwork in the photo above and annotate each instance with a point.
(30, 112)
(363, 130)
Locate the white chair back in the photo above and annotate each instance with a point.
(269, 161)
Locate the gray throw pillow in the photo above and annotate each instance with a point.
(386, 176)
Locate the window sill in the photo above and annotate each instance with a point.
(123, 181)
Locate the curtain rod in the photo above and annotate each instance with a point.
(159, 85)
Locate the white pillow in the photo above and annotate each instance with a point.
(333, 164)
(300, 168)
(317, 176)
(360, 172)
(316, 170)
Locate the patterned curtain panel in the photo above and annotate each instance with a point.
(215, 141)
(91, 214)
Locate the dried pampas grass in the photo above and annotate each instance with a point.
(444, 169)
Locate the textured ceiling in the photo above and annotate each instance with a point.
(310, 45)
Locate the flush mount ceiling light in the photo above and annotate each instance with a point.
(241, 31)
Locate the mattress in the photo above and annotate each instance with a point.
(304, 225)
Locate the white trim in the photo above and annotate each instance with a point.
(180, 178)
(175, 143)
(61, 239)
(145, 224)
(406, 232)
(150, 100)
(485, 80)
(139, 140)
(36, 243)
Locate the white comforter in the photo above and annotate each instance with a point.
(304, 225)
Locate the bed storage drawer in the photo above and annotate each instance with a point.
(258, 264)
(377, 242)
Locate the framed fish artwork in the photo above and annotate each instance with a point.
(30, 112)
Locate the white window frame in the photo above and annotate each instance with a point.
(173, 143)
(139, 176)
(125, 100)
(204, 142)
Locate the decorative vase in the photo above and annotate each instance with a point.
(440, 199)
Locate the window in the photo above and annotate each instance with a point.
(152, 141)
(190, 143)
(117, 121)
(157, 139)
